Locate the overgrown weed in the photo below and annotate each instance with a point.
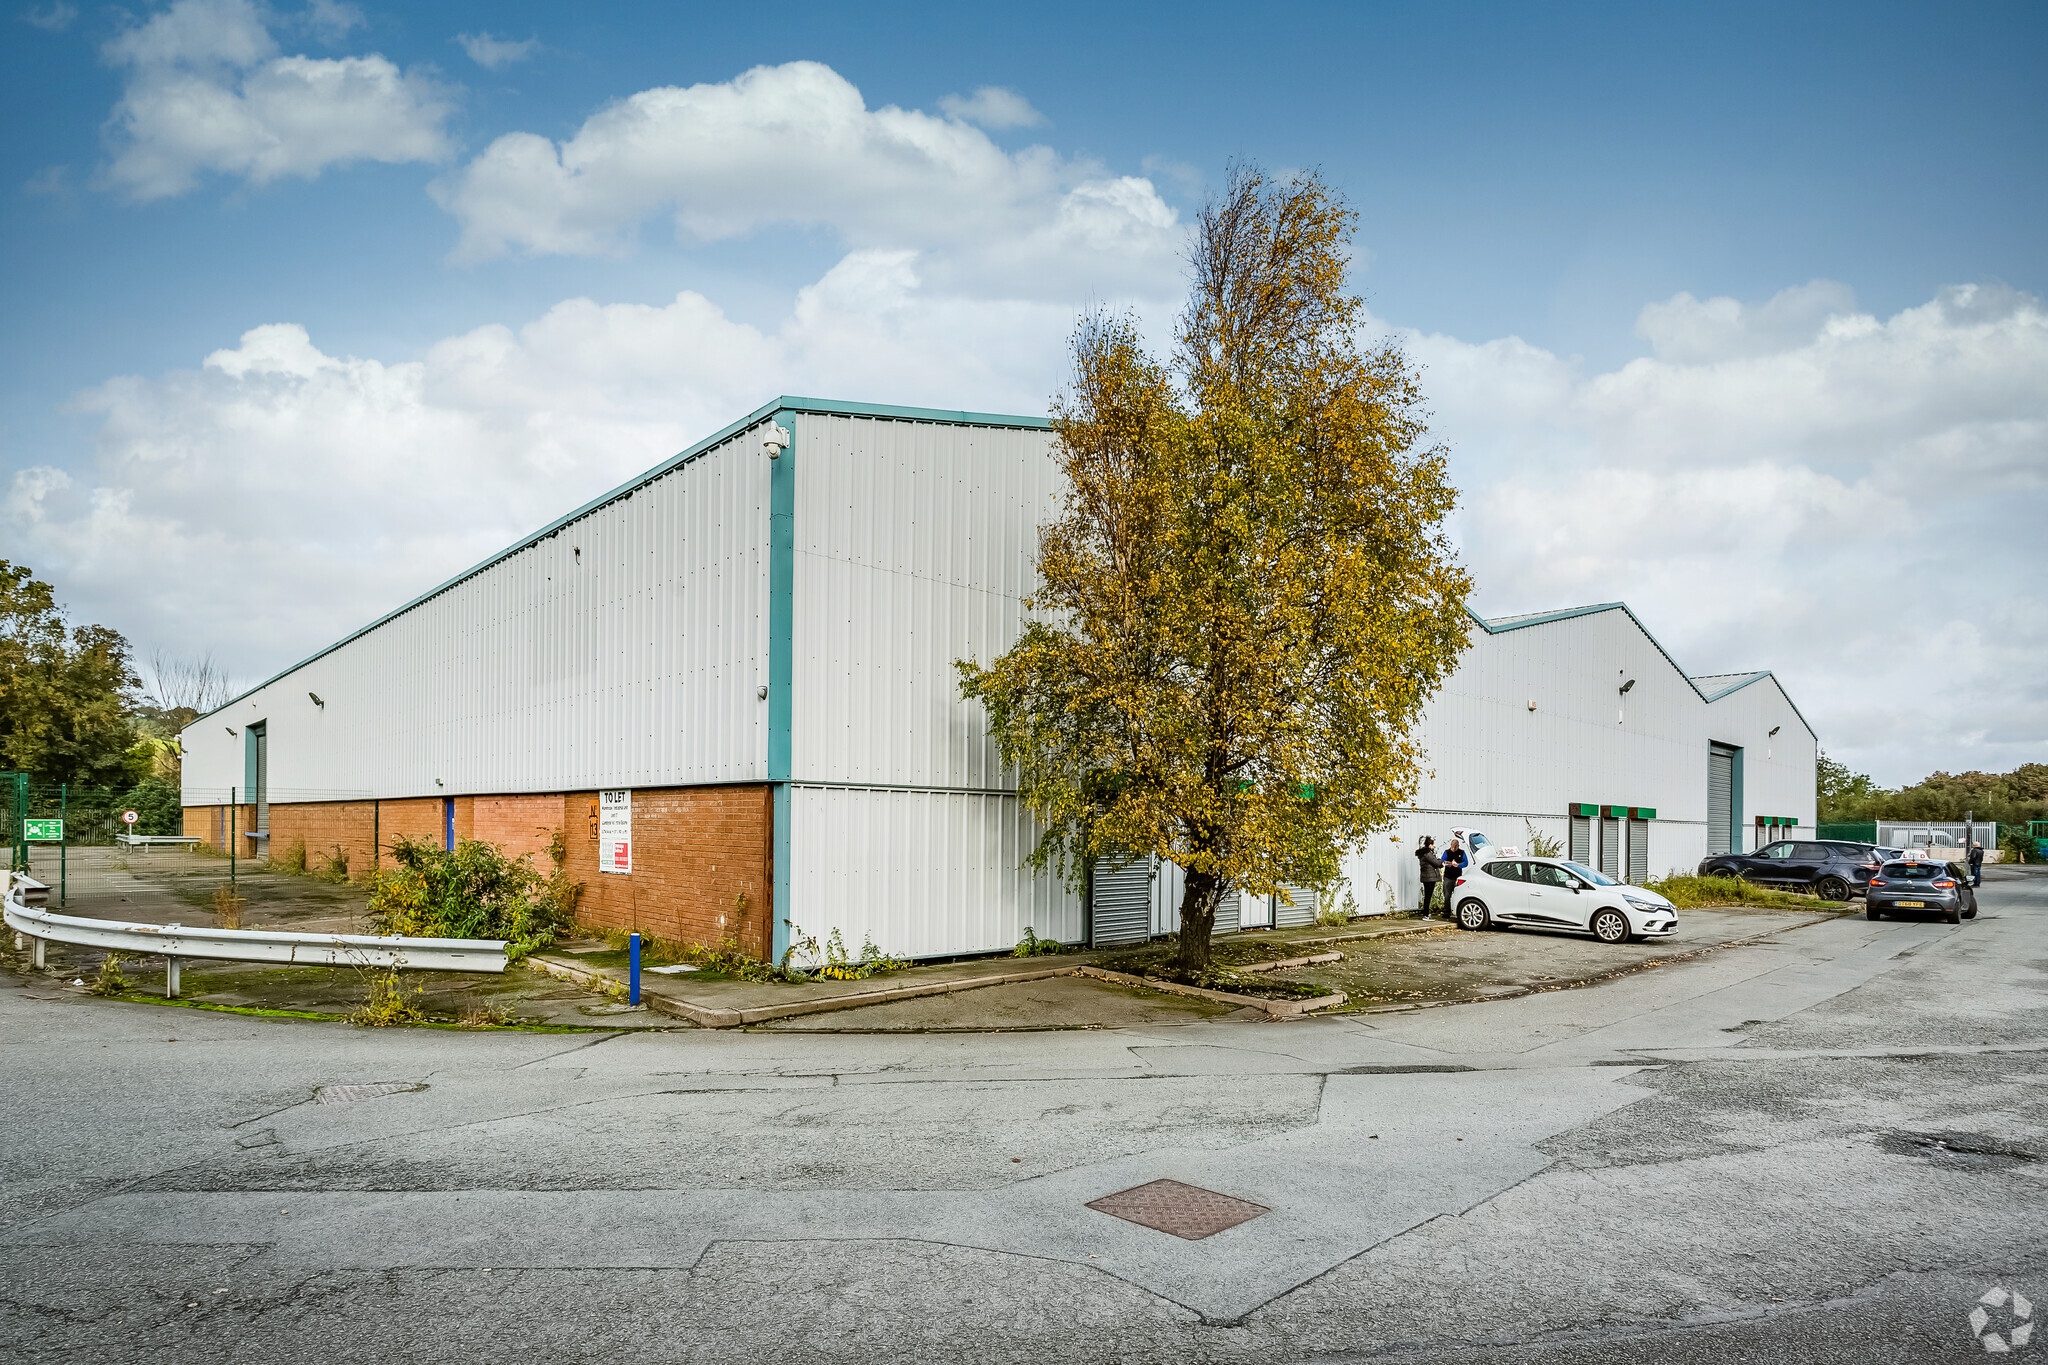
(388, 1002)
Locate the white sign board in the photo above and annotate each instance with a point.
(615, 831)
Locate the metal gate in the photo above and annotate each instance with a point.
(1720, 797)
(1120, 903)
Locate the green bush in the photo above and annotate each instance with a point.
(470, 891)
(1688, 893)
(157, 808)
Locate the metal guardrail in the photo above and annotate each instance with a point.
(157, 840)
(173, 942)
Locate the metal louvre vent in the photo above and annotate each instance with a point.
(1121, 902)
(1294, 907)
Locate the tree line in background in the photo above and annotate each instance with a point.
(75, 714)
(2011, 800)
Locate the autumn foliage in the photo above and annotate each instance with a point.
(1247, 597)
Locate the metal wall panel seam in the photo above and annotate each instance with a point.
(781, 670)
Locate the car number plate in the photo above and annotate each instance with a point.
(1911, 905)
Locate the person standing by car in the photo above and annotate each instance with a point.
(1976, 864)
(1432, 871)
(1455, 863)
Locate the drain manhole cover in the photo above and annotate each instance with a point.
(369, 1090)
(1187, 1211)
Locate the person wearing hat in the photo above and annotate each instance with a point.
(1432, 871)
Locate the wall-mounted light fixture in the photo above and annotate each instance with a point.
(316, 700)
(230, 729)
(1775, 729)
(1627, 685)
(437, 781)
(1532, 706)
(578, 550)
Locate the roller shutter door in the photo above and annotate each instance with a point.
(1120, 901)
(1638, 852)
(1720, 798)
(1582, 841)
(1610, 847)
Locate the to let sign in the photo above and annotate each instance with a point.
(615, 831)
(48, 830)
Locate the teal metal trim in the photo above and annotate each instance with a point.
(950, 416)
(1737, 825)
(1568, 613)
(1733, 688)
(249, 758)
(782, 662)
(666, 467)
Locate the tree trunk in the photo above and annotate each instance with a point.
(1198, 919)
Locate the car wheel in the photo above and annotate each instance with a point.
(1971, 913)
(1472, 914)
(1610, 926)
(1954, 916)
(1832, 889)
(1872, 912)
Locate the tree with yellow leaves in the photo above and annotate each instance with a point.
(1247, 597)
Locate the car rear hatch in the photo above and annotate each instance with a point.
(1905, 883)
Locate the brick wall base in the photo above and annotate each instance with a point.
(702, 856)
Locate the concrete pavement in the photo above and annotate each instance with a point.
(1811, 1148)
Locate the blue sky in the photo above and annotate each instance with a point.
(1655, 258)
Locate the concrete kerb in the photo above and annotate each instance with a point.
(663, 999)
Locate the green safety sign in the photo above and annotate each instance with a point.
(52, 830)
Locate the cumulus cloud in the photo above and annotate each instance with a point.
(1857, 508)
(208, 91)
(53, 18)
(277, 495)
(992, 107)
(1850, 501)
(493, 54)
(797, 145)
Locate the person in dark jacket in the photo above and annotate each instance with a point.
(1432, 871)
(1976, 864)
(1455, 863)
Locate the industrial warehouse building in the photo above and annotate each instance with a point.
(724, 696)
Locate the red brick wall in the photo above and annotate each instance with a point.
(695, 851)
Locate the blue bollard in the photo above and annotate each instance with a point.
(633, 963)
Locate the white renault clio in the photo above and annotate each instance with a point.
(1550, 893)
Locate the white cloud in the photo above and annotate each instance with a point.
(797, 145)
(208, 91)
(1859, 510)
(319, 490)
(54, 18)
(992, 107)
(1852, 502)
(494, 53)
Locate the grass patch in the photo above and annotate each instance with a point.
(1695, 893)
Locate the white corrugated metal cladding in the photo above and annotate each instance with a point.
(621, 647)
(629, 645)
(915, 544)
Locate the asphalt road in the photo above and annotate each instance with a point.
(1827, 1146)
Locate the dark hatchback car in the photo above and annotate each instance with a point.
(1833, 871)
(1926, 885)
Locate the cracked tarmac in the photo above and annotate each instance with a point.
(1821, 1146)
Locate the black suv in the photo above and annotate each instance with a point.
(1832, 871)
